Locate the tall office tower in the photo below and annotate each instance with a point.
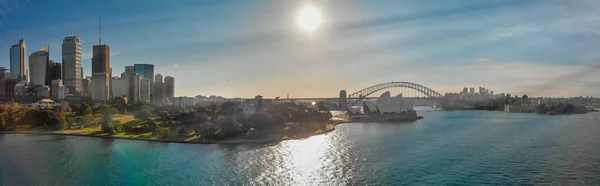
(39, 66)
(17, 60)
(169, 88)
(144, 89)
(159, 90)
(146, 71)
(471, 90)
(158, 78)
(56, 71)
(101, 72)
(81, 75)
(465, 90)
(133, 93)
(71, 61)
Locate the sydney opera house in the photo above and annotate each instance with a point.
(386, 108)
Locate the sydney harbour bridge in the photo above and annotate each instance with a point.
(407, 89)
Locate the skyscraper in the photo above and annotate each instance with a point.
(56, 71)
(146, 71)
(169, 88)
(158, 78)
(17, 60)
(71, 61)
(159, 90)
(133, 93)
(39, 64)
(101, 72)
(144, 89)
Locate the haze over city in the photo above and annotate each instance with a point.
(248, 48)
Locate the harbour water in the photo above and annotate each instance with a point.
(457, 147)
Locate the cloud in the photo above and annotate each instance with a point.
(87, 55)
(513, 31)
(175, 65)
(482, 61)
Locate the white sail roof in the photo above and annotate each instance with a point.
(396, 104)
(354, 110)
(371, 106)
(383, 102)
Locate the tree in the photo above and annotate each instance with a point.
(85, 110)
(508, 98)
(143, 114)
(322, 107)
(525, 96)
(542, 109)
(61, 115)
(107, 116)
(259, 103)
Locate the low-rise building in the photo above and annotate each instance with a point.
(21, 88)
(120, 87)
(41, 91)
(58, 91)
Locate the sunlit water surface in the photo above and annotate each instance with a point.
(460, 147)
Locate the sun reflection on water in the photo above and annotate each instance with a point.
(305, 158)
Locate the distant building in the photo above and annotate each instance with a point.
(159, 90)
(169, 88)
(56, 71)
(41, 91)
(101, 72)
(145, 89)
(101, 89)
(146, 71)
(58, 91)
(471, 90)
(18, 69)
(21, 88)
(158, 78)
(130, 70)
(343, 102)
(7, 88)
(120, 87)
(39, 66)
(71, 61)
(133, 92)
(86, 84)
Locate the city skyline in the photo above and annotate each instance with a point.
(245, 51)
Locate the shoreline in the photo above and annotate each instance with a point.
(207, 141)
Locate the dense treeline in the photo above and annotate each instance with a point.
(13, 116)
(170, 121)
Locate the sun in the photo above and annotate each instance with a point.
(309, 19)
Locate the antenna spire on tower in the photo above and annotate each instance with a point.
(100, 33)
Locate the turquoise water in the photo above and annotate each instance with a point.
(460, 147)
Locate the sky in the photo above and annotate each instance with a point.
(248, 48)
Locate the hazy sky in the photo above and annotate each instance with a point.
(245, 48)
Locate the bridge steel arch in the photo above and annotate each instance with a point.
(360, 95)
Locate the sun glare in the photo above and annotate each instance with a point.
(309, 19)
